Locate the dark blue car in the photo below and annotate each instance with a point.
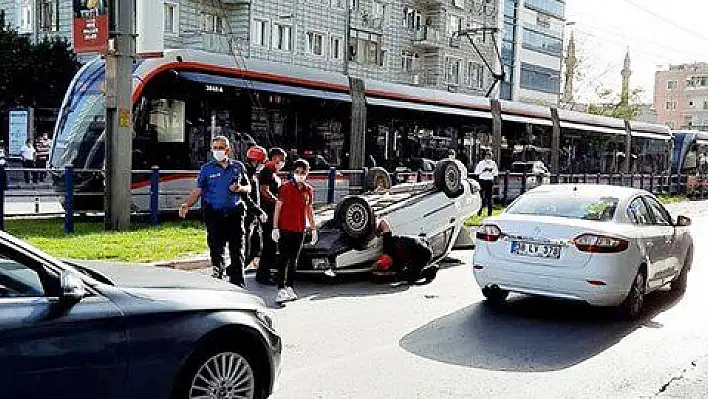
(115, 331)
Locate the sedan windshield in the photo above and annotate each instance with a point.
(566, 206)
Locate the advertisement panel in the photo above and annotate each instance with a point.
(90, 26)
(19, 130)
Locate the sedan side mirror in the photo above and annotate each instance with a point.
(72, 289)
(683, 221)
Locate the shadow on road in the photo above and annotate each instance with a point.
(529, 334)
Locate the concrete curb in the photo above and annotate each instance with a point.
(192, 264)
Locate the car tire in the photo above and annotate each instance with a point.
(193, 381)
(631, 308)
(681, 282)
(378, 178)
(495, 295)
(449, 175)
(355, 218)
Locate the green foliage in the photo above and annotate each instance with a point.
(33, 75)
(612, 107)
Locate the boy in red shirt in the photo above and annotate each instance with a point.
(292, 211)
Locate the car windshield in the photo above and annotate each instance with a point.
(81, 132)
(583, 207)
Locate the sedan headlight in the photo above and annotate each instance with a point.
(267, 318)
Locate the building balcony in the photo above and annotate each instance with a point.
(428, 38)
(363, 20)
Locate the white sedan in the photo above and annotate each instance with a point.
(605, 245)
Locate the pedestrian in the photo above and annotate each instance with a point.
(269, 186)
(406, 258)
(256, 156)
(3, 164)
(293, 214)
(221, 184)
(28, 155)
(42, 145)
(486, 172)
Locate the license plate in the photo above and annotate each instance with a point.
(535, 250)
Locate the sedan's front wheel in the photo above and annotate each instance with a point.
(218, 374)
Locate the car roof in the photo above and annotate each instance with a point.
(589, 189)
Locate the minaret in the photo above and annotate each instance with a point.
(570, 62)
(626, 73)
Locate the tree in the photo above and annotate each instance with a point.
(611, 105)
(32, 75)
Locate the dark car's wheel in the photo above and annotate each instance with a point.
(681, 282)
(355, 218)
(449, 174)
(495, 295)
(219, 373)
(631, 308)
(378, 178)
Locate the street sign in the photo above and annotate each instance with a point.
(90, 26)
(19, 130)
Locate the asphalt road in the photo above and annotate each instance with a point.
(360, 340)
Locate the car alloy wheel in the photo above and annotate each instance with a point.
(635, 299)
(356, 217)
(226, 375)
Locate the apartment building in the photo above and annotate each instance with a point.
(681, 96)
(401, 41)
(532, 50)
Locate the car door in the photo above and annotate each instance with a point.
(649, 237)
(49, 348)
(662, 219)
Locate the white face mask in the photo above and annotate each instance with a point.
(279, 166)
(219, 155)
(300, 178)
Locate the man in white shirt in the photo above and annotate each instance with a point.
(486, 172)
(28, 155)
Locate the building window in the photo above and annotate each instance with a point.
(690, 104)
(282, 37)
(698, 81)
(453, 71)
(212, 23)
(49, 15)
(365, 47)
(672, 85)
(377, 10)
(338, 3)
(541, 79)
(353, 4)
(414, 19)
(670, 105)
(551, 7)
(542, 42)
(705, 104)
(171, 11)
(458, 3)
(475, 75)
(335, 48)
(455, 24)
(260, 33)
(409, 61)
(26, 24)
(315, 43)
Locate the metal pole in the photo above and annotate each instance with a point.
(155, 196)
(3, 187)
(331, 185)
(119, 133)
(345, 51)
(68, 199)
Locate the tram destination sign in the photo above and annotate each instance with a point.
(90, 26)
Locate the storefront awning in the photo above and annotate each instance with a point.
(428, 108)
(263, 86)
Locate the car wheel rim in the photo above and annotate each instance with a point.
(452, 177)
(638, 294)
(226, 375)
(356, 217)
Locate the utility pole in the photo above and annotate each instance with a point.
(119, 132)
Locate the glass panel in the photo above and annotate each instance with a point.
(568, 206)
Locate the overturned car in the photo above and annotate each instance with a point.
(435, 210)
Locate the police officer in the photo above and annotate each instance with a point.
(221, 184)
(256, 156)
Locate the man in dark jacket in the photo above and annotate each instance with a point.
(405, 257)
(269, 184)
(256, 156)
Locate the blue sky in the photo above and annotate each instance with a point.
(657, 32)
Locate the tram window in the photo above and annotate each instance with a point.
(167, 118)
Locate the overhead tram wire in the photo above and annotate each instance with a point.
(240, 61)
(667, 20)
